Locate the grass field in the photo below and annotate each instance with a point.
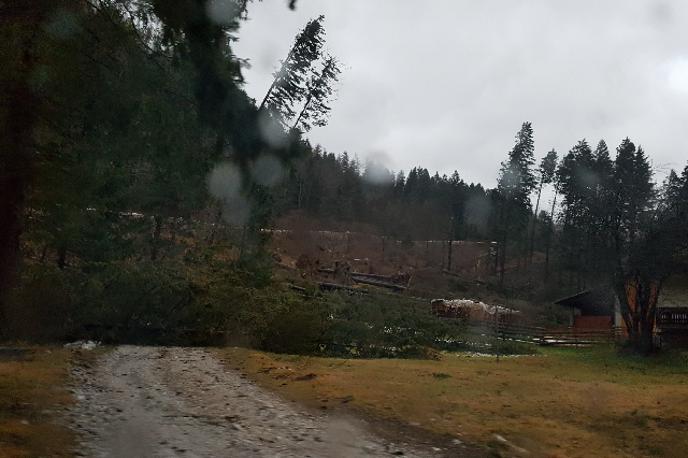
(561, 403)
(32, 389)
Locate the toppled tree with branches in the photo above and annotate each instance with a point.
(289, 85)
(320, 89)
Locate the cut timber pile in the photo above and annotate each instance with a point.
(370, 281)
(383, 281)
(336, 287)
(467, 308)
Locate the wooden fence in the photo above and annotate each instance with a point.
(672, 318)
(544, 336)
(580, 337)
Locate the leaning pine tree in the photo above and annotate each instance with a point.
(319, 92)
(289, 86)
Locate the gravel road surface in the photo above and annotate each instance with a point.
(166, 402)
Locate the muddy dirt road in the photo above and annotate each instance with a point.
(165, 402)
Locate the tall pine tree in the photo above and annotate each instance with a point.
(515, 183)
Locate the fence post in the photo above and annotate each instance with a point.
(496, 318)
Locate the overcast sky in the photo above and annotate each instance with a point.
(446, 84)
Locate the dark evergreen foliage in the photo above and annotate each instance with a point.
(291, 86)
(320, 89)
(338, 191)
(515, 183)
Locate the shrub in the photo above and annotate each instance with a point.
(204, 301)
(40, 308)
(297, 326)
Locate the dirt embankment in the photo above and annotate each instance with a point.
(145, 401)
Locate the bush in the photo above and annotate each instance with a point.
(41, 308)
(153, 302)
(202, 302)
(297, 326)
(135, 302)
(375, 326)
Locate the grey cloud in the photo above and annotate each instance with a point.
(447, 83)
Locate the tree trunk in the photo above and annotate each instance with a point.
(24, 19)
(303, 110)
(532, 229)
(638, 298)
(242, 242)
(501, 243)
(61, 257)
(449, 255)
(155, 247)
(496, 258)
(300, 196)
(502, 259)
(220, 144)
(274, 81)
(550, 234)
(215, 225)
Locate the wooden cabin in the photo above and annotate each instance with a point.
(672, 312)
(592, 309)
(599, 309)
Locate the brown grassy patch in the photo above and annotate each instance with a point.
(31, 392)
(567, 403)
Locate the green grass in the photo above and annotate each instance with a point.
(610, 363)
(575, 402)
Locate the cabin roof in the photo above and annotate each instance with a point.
(674, 292)
(594, 302)
(569, 299)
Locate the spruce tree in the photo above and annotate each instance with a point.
(551, 219)
(515, 183)
(517, 179)
(601, 204)
(577, 184)
(319, 92)
(546, 171)
(639, 268)
(289, 86)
